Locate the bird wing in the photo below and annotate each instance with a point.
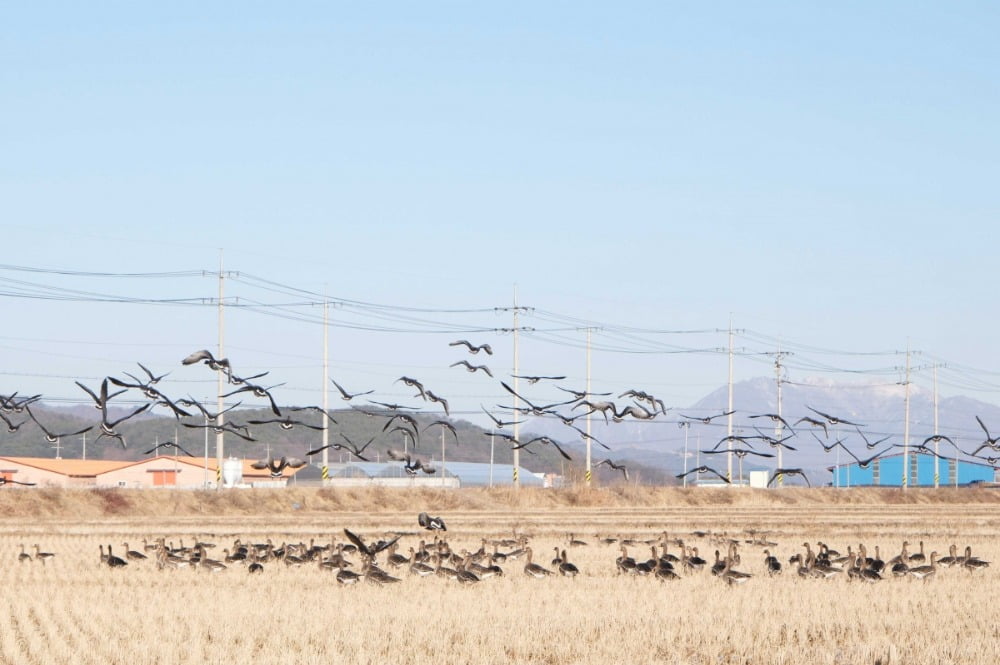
(203, 354)
(360, 544)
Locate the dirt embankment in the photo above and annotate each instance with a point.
(102, 503)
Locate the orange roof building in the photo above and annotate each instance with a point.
(161, 471)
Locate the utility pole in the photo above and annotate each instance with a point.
(686, 424)
(906, 420)
(219, 436)
(587, 418)
(778, 426)
(84, 445)
(729, 418)
(937, 466)
(492, 430)
(516, 310)
(325, 469)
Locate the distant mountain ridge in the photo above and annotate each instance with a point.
(878, 407)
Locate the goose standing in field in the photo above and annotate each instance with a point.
(918, 557)
(133, 554)
(972, 563)
(114, 561)
(419, 567)
(347, 577)
(690, 559)
(24, 556)
(733, 577)
(533, 569)
(42, 556)
(567, 569)
(771, 563)
(951, 559)
(625, 563)
(925, 572)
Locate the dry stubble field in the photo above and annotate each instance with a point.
(75, 610)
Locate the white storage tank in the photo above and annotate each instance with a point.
(232, 472)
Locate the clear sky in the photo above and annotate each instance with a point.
(826, 174)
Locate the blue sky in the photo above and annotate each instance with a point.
(824, 174)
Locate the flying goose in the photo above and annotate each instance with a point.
(108, 427)
(703, 469)
(431, 523)
(473, 368)
(472, 347)
(532, 380)
(369, 551)
(100, 400)
(542, 439)
(814, 423)
(11, 427)
(277, 466)
(151, 393)
(346, 395)
(218, 364)
(258, 391)
(52, 437)
(351, 447)
(413, 383)
(709, 419)
(833, 420)
(775, 418)
(285, 423)
(431, 397)
(778, 473)
(168, 444)
(615, 466)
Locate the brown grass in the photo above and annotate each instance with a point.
(74, 610)
(95, 503)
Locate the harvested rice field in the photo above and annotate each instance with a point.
(74, 608)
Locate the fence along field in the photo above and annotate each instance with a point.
(72, 609)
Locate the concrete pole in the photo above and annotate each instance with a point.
(220, 442)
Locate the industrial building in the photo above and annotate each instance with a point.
(924, 471)
(180, 472)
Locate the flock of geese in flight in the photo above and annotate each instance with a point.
(379, 562)
(16, 411)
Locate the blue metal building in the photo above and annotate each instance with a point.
(923, 470)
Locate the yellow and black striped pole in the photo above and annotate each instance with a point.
(588, 476)
(515, 474)
(326, 472)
